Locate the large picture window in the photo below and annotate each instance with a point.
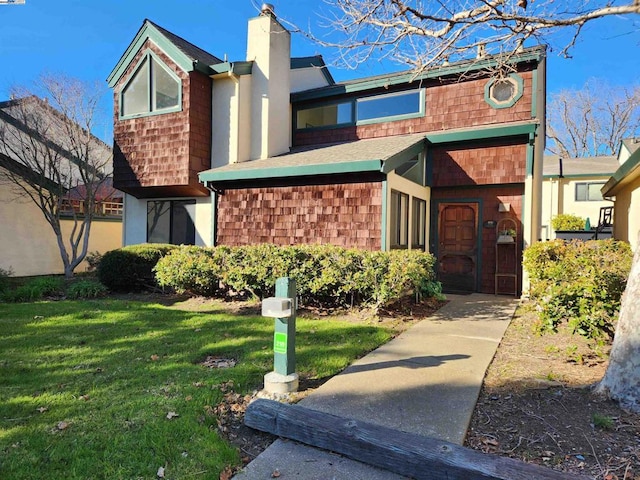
(589, 192)
(171, 221)
(399, 220)
(153, 88)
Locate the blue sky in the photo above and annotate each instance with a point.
(85, 39)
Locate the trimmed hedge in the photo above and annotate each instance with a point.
(568, 222)
(325, 275)
(130, 268)
(579, 282)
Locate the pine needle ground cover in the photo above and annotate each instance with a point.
(126, 389)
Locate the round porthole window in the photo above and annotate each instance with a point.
(503, 92)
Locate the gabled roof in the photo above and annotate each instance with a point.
(627, 173)
(371, 155)
(631, 144)
(185, 54)
(194, 52)
(579, 167)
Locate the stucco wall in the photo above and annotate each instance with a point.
(135, 214)
(401, 184)
(28, 246)
(626, 216)
(559, 196)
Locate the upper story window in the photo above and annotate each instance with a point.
(504, 92)
(362, 111)
(390, 106)
(589, 192)
(325, 115)
(152, 89)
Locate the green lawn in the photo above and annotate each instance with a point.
(86, 386)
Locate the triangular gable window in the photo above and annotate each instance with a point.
(152, 89)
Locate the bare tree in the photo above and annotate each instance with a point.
(50, 157)
(592, 120)
(423, 34)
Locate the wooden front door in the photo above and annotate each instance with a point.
(457, 246)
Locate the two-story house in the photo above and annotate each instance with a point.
(272, 149)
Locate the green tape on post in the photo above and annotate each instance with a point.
(284, 338)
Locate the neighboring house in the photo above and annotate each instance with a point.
(572, 186)
(271, 149)
(624, 188)
(28, 245)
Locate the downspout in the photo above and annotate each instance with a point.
(538, 159)
(540, 145)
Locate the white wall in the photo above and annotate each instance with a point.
(307, 78)
(401, 184)
(135, 211)
(559, 197)
(268, 46)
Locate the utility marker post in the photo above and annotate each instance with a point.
(282, 307)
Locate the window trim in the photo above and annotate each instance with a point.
(396, 233)
(325, 127)
(514, 79)
(392, 118)
(186, 201)
(419, 227)
(148, 56)
(587, 184)
(354, 110)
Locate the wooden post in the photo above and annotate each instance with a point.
(403, 453)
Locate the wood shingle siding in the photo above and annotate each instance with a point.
(451, 105)
(486, 163)
(348, 215)
(161, 155)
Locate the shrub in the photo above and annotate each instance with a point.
(4, 279)
(86, 289)
(325, 275)
(93, 260)
(568, 222)
(578, 282)
(36, 289)
(131, 268)
(191, 269)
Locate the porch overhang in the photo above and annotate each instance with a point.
(628, 172)
(376, 155)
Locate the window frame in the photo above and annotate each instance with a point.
(513, 78)
(172, 203)
(587, 185)
(351, 122)
(399, 218)
(392, 118)
(354, 110)
(418, 223)
(149, 56)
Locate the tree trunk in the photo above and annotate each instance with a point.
(621, 381)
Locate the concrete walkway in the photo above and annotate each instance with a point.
(425, 381)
